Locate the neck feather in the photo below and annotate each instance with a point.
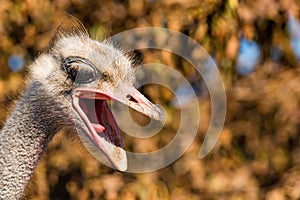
(26, 134)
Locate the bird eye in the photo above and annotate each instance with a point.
(80, 70)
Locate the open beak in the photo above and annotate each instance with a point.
(91, 106)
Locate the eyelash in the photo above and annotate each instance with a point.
(72, 66)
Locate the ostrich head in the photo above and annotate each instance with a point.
(82, 74)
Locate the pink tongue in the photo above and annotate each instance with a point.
(98, 128)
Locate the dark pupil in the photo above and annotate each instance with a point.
(80, 70)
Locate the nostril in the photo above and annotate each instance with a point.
(130, 98)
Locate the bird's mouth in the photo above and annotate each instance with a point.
(91, 105)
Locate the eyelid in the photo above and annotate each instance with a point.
(71, 60)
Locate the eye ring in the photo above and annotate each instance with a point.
(80, 70)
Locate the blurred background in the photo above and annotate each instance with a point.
(256, 45)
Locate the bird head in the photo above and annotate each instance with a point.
(85, 74)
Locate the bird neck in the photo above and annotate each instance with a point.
(24, 138)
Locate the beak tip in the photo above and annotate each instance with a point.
(120, 162)
(122, 168)
(160, 114)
